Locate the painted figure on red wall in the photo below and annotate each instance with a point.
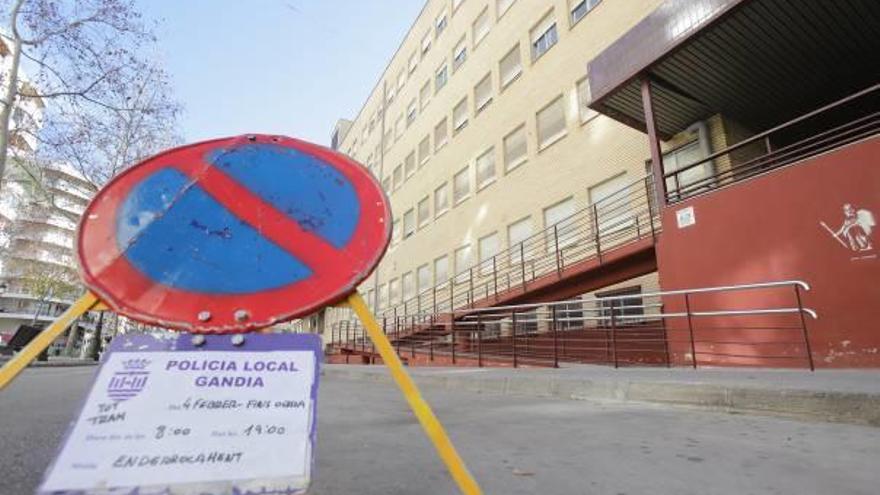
(856, 229)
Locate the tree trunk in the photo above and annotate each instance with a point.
(72, 337)
(95, 344)
(11, 92)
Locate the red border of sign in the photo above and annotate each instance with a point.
(107, 272)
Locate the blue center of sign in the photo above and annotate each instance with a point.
(178, 235)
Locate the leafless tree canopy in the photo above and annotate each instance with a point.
(92, 63)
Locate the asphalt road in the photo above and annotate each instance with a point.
(370, 444)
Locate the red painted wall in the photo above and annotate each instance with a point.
(768, 228)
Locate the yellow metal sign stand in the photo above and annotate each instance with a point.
(45, 338)
(432, 426)
(422, 410)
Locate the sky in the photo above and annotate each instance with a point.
(289, 67)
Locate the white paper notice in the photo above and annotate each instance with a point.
(191, 417)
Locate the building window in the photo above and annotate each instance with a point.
(388, 139)
(394, 291)
(398, 128)
(409, 286)
(483, 93)
(503, 6)
(440, 78)
(510, 67)
(515, 148)
(681, 157)
(583, 98)
(441, 270)
(481, 27)
(386, 183)
(424, 150)
(630, 306)
(383, 296)
(409, 223)
(413, 62)
(518, 232)
(440, 24)
(423, 277)
(411, 113)
(581, 8)
(409, 164)
(391, 92)
(464, 260)
(611, 204)
(441, 133)
(395, 230)
(461, 185)
(489, 247)
(486, 168)
(560, 215)
(551, 123)
(424, 211)
(459, 54)
(460, 115)
(426, 44)
(397, 177)
(441, 200)
(543, 36)
(456, 4)
(425, 94)
(401, 80)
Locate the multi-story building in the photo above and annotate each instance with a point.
(40, 205)
(479, 132)
(754, 123)
(40, 211)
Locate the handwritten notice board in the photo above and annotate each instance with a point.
(174, 416)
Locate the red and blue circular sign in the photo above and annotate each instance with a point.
(234, 234)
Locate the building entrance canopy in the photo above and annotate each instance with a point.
(759, 62)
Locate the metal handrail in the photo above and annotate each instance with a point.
(760, 136)
(760, 285)
(532, 257)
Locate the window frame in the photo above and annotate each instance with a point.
(488, 101)
(504, 84)
(459, 126)
(545, 142)
(463, 172)
(489, 180)
(510, 166)
(438, 210)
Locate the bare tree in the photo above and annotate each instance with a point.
(89, 62)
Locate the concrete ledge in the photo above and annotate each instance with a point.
(846, 406)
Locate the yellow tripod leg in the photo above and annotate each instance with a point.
(422, 410)
(45, 338)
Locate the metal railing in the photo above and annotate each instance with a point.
(756, 155)
(626, 216)
(705, 326)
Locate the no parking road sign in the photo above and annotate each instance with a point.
(233, 234)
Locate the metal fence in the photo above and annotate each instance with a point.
(839, 123)
(762, 324)
(625, 216)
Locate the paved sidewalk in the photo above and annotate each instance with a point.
(837, 396)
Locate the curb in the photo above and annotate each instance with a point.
(822, 406)
(58, 364)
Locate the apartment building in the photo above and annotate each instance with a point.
(480, 133)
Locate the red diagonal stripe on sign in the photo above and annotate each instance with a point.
(308, 247)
